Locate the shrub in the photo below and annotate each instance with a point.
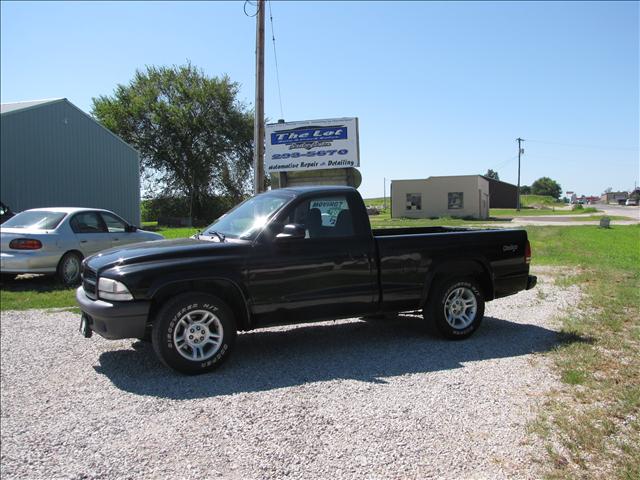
(172, 209)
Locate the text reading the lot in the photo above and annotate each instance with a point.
(306, 134)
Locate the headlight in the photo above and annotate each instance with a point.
(113, 290)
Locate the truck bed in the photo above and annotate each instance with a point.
(383, 232)
(408, 256)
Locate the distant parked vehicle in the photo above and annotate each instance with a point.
(5, 213)
(55, 240)
(631, 202)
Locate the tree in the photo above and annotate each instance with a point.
(525, 190)
(546, 186)
(194, 136)
(492, 174)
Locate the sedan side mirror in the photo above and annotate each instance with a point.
(291, 231)
(130, 228)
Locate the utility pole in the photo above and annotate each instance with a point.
(520, 151)
(258, 127)
(384, 193)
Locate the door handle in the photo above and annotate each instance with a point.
(116, 239)
(83, 241)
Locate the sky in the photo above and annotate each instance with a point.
(438, 88)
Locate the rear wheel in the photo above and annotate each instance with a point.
(194, 333)
(456, 308)
(69, 268)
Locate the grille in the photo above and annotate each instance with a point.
(89, 279)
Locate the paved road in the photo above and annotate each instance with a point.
(622, 211)
(631, 213)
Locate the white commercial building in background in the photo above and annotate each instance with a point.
(453, 196)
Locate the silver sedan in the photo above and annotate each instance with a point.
(55, 240)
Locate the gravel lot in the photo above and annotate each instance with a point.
(344, 399)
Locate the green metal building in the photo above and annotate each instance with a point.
(52, 154)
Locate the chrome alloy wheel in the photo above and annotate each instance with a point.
(198, 335)
(460, 308)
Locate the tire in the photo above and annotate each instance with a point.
(206, 317)
(456, 308)
(69, 269)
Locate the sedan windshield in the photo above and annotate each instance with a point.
(36, 220)
(249, 217)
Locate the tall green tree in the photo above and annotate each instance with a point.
(546, 186)
(492, 174)
(194, 136)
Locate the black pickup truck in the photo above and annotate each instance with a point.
(294, 255)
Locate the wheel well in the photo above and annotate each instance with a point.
(470, 268)
(224, 289)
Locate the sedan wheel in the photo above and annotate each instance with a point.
(69, 269)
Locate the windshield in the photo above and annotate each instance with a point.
(35, 220)
(249, 217)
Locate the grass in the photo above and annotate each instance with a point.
(540, 200)
(592, 424)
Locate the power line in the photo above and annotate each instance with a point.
(577, 145)
(275, 57)
(505, 163)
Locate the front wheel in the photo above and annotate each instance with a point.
(456, 308)
(194, 333)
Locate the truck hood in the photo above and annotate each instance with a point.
(160, 250)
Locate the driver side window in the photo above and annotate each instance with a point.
(324, 217)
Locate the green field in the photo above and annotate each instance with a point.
(595, 418)
(540, 200)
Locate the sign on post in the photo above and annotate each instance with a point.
(312, 145)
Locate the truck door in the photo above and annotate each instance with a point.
(330, 272)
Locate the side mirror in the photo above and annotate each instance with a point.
(291, 231)
(130, 228)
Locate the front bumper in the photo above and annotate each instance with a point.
(115, 320)
(531, 281)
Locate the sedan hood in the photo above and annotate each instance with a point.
(159, 250)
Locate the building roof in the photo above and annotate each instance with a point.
(7, 108)
(15, 106)
(500, 181)
(437, 176)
